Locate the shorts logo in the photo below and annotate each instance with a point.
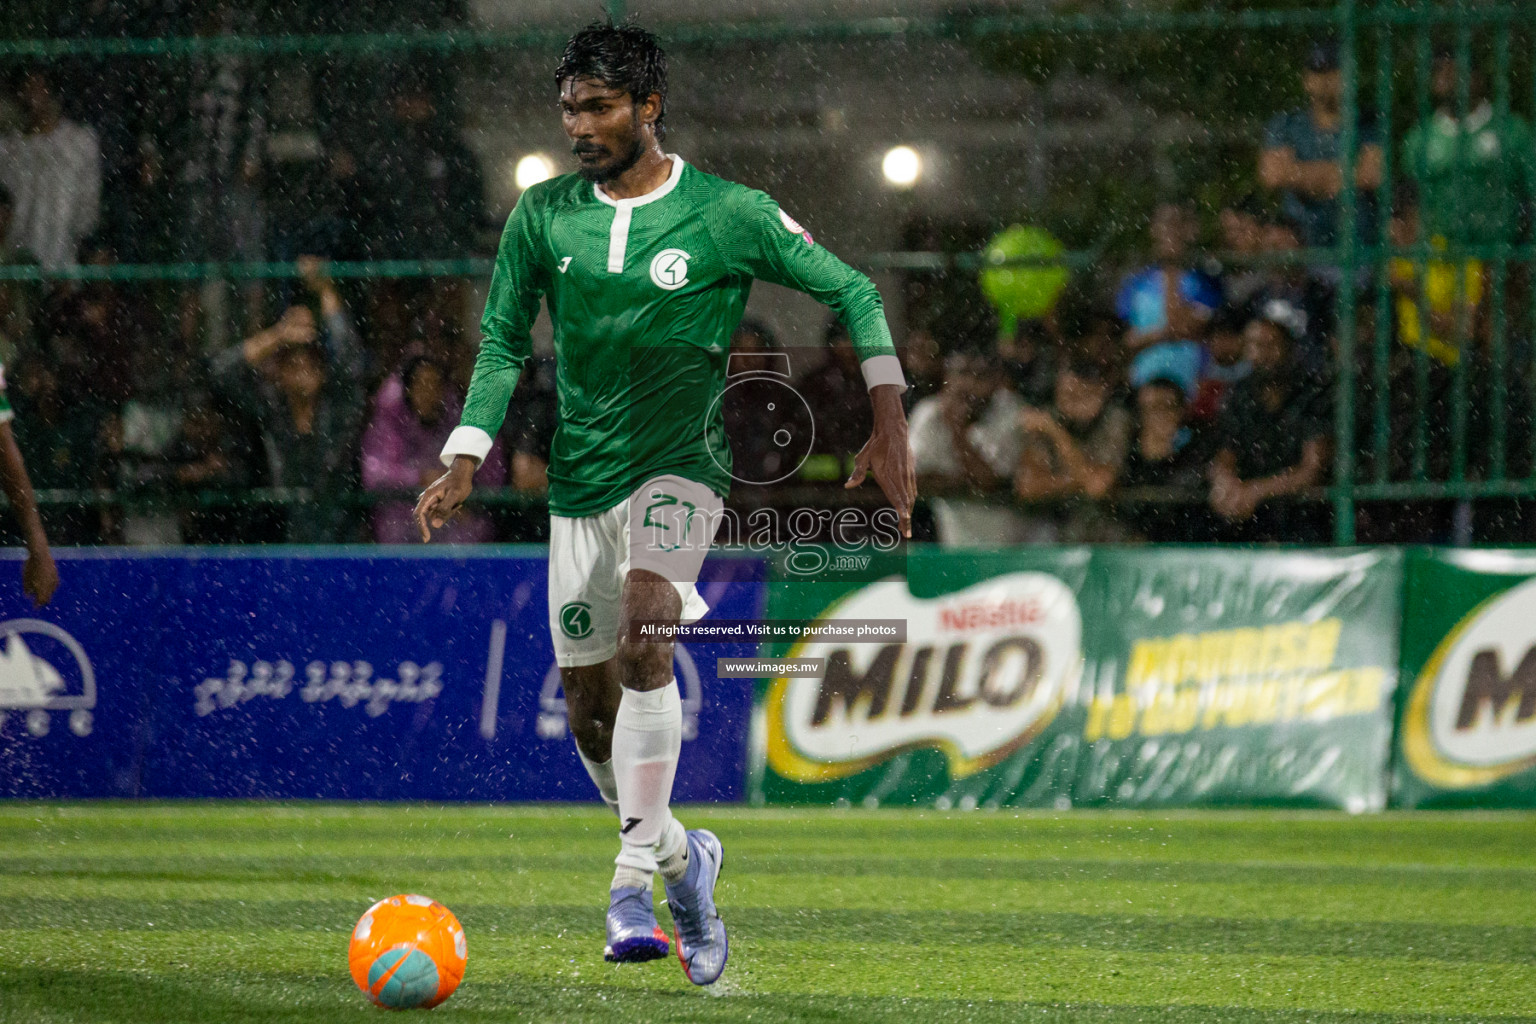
(670, 269)
(576, 620)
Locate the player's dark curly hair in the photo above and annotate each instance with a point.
(622, 56)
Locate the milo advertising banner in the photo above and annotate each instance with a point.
(1060, 677)
(1467, 714)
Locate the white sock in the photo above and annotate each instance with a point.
(647, 737)
(672, 852)
(602, 775)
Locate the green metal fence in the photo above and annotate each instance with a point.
(1410, 424)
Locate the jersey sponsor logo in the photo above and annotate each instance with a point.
(1471, 717)
(793, 227)
(977, 696)
(669, 270)
(566, 262)
(576, 619)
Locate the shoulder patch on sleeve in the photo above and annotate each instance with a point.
(793, 227)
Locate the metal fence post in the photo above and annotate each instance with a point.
(1344, 394)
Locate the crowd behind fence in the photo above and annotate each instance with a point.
(1334, 344)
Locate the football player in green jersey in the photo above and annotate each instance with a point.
(39, 576)
(645, 263)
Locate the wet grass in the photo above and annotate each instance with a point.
(241, 912)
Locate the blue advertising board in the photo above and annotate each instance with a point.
(366, 673)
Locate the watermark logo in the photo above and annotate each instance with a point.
(44, 669)
(977, 693)
(576, 619)
(763, 432)
(1471, 717)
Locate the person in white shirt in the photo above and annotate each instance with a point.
(966, 443)
(53, 171)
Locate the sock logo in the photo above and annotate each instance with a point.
(576, 619)
(629, 823)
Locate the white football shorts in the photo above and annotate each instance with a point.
(665, 526)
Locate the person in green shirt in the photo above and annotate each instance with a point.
(645, 263)
(1475, 174)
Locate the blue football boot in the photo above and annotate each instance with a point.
(702, 947)
(633, 934)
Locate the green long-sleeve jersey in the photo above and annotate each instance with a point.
(644, 294)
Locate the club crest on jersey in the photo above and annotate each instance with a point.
(669, 269)
(793, 226)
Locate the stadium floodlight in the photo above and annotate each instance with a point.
(902, 166)
(532, 169)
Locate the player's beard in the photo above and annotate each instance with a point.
(606, 172)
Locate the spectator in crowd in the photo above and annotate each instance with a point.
(1030, 356)
(141, 216)
(309, 402)
(18, 299)
(1300, 158)
(1455, 311)
(96, 331)
(923, 359)
(838, 399)
(1226, 365)
(424, 180)
(1272, 439)
(1074, 450)
(1167, 305)
(206, 456)
(222, 148)
(530, 426)
(52, 170)
(413, 414)
(1475, 174)
(61, 441)
(1242, 234)
(1288, 281)
(756, 457)
(1167, 453)
(965, 443)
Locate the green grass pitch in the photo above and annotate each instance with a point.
(237, 912)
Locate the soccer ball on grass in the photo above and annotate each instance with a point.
(407, 952)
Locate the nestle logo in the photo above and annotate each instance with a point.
(991, 615)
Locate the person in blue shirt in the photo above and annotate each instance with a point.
(1168, 305)
(1300, 158)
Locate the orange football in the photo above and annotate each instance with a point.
(407, 952)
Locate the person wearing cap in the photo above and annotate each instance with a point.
(1301, 155)
(1272, 438)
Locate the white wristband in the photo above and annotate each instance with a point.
(471, 441)
(884, 369)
